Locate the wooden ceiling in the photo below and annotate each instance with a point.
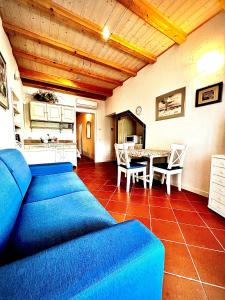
(58, 44)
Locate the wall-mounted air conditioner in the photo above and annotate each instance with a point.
(83, 103)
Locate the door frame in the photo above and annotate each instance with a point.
(89, 111)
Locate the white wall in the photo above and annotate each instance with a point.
(202, 128)
(102, 149)
(7, 138)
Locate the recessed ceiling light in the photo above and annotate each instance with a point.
(105, 33)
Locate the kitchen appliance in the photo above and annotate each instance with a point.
(132, 139)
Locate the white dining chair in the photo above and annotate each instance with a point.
(125, 166)
(173, 167)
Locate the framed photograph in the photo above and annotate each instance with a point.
(88, 130)
(3, 84)
(209, 95)
(170, 105)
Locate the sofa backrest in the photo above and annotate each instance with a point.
(18, 167)
(10, 202)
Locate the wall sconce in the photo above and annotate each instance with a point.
(210, 62)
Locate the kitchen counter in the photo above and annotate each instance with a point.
(48, 145)
(33, 144)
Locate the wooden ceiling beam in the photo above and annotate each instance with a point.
(66, 48)
(155, 18)
(222, 3)
(72, 84)
(52, 87)
(75, 21)
(52, 63)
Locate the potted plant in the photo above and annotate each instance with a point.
(49, 97)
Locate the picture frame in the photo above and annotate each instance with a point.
(209, 95)
(170, 105)
(4, 101)
(88, 130)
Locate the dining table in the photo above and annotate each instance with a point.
(149, 155)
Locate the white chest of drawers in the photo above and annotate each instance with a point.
(217, 185)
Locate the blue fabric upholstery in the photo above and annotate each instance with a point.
(122, 262)
(10, 202)
(134, 166)
(43, 224)
(60, 243)
(17, 165)
(53, 168)
(165, 166)
(50, 186)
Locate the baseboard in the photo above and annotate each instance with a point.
(195, 190)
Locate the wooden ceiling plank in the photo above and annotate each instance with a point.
(155, 18)
(222, 3)
(66, 48)
(52, 63)
(75, 21)
(52, 87)
(73, 84)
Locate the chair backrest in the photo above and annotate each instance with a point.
(122, 154)
(177, 155)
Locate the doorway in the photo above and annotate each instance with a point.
(85, 137)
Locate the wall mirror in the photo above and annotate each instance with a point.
(88, 130)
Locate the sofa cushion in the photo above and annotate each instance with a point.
(18, 167)
(54, 185)
(10, 202)
(42, 224)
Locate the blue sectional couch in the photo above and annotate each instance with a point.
(58, 242)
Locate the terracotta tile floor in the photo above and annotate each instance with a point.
(193, 235)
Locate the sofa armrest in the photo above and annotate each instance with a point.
(52, 168)
(124, 261)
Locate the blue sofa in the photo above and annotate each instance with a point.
(58, 242)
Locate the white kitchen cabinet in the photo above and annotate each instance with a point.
(68, 114)
(38, 111)
(54, 113)
(217, 185)
(47, 154)
(70, 155)
(39, 156)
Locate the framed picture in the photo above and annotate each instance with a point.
(3, 84)
(209, 95)
(170, 105)
(88, 130)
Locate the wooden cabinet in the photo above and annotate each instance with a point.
(68, 114)
(54, 113)
(217, 185)
(38, 111)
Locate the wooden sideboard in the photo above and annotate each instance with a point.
(217, 185)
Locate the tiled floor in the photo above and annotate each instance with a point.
(193, 236)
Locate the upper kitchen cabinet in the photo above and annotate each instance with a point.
(38, 111)
(68, 114)
(54, 113)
